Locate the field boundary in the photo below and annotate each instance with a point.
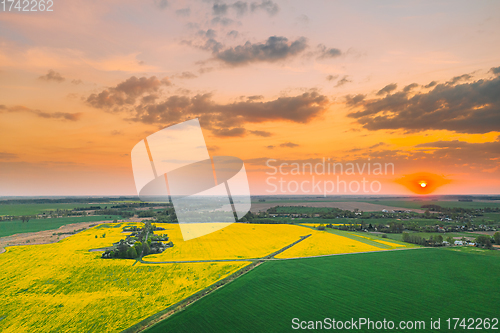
(183, 304)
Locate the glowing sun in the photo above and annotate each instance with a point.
(423, 182)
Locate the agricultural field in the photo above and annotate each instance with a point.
(409, 285)
(8, 228)
(42, 284)
(33, 208)
(410, 204)
(237, 241)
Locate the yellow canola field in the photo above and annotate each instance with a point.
(63, 287)
(237, 241)
(323, 243)
(394, 245)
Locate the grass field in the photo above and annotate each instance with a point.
(63, 287)
(32, 209)
(8, 228)
(447, 204)
(408, 285)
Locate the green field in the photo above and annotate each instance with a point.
(410, 285)
(418, 204)
(32, 209)
(8, 228)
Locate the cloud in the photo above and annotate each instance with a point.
(354, 100)
(343, 81)
(274, 49)
(325, 52)
(270, 7)
(464, 108)
(331, 77)
(387, 89)
(185, 75)
(431, 84)
(270, 147)
(461, 153)
(7, 156)
(220, 9)
(464, 77)
(116, 132)
(262, 133)
(410, 87)
(43, 114)
(226, 132)
(185, 12)
(52, 76)
(228, 119)
(224, 21)
(289, 145)
(240, 7)
(210, 33)
(233, 34)
(76, 82)
(126, 92)
(161, 4)
(495, 70)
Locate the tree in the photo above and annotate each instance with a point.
(496, 237)
(131, 253)
(438, 239)
(449, 240)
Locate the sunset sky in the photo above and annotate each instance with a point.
(413, 83)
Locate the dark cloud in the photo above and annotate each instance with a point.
(185, 75)
(210, 33)
(456, 79)
(270, 147)
(377, 145)
(300, 109)
(495, 70)
(229, 132)
(240, 7)
(465, 108)
(274, 49)
(289, 145)
(233, 33)
(220, 9)
(52, 76)
(262, 133)
(343, 81)
(325, 52)
(76, 82)
(7, 156)
(43, 114)
(270, 7)
(255, 97)
(331, 77)
(116, 132)
(461, 153)
(224, 21)
(354, 100)
(431, 84)
(410, 87)
(161, 4)
(185, 12)
(387, 89)
(126, 92)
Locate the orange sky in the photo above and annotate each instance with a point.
(292, 81)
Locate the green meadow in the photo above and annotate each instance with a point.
(8, 228)
(408, 285)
